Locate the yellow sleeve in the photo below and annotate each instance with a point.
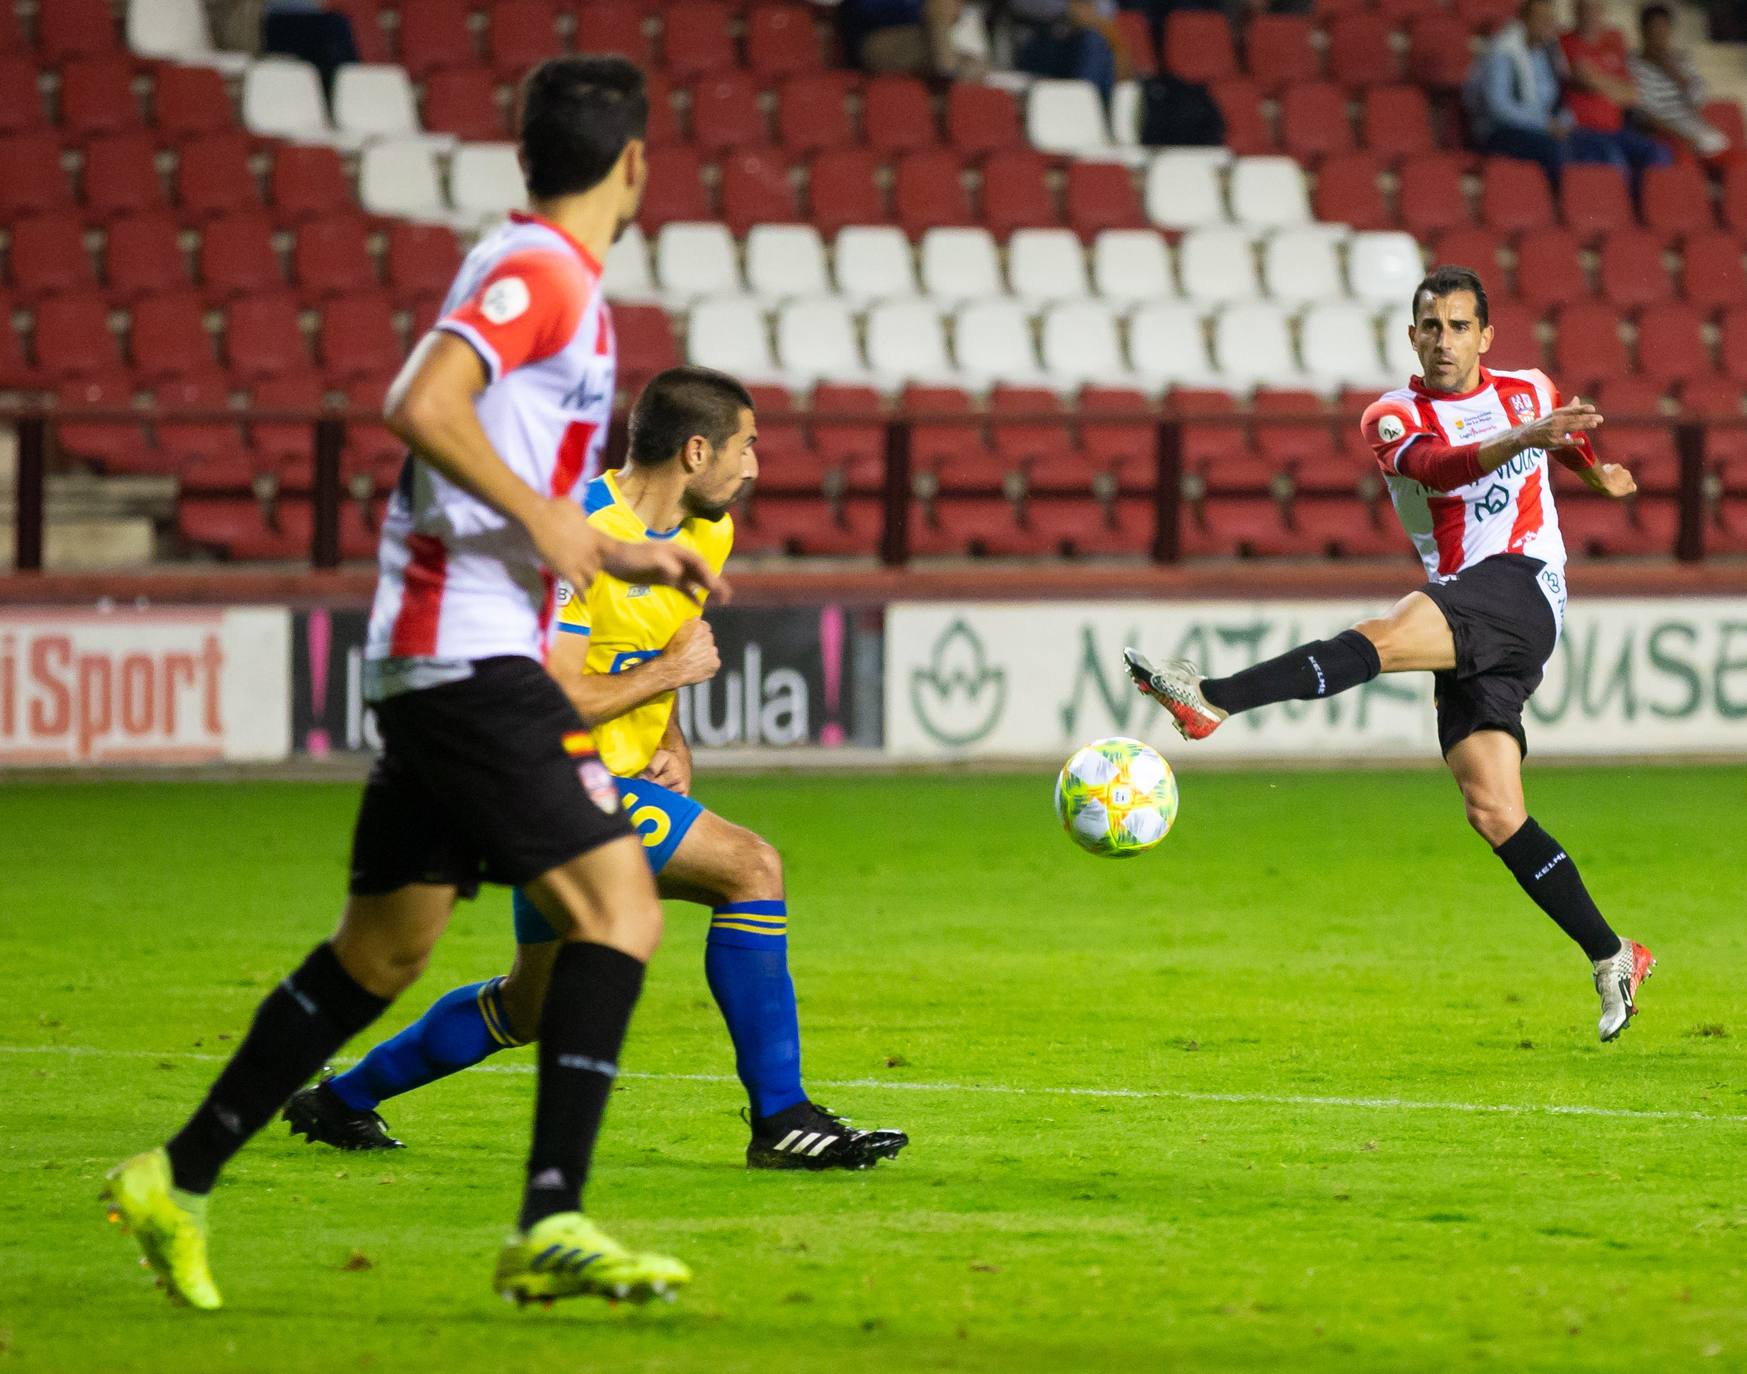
(573, 616)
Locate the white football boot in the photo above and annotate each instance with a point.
(1617, 980)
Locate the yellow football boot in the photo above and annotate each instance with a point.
(567, 1256)
(169, 1224)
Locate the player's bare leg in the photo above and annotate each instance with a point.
(1488, 768)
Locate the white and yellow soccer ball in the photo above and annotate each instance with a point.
(1116, 797)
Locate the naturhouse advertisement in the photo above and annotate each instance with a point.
(128, 686)
(1037, 680)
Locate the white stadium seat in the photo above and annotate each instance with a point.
(1269, 191)
(1046, 265)
(1301, 265)
(906, 342)
(1125, 113)
(1399, 359)
(1252, 343)
(1217, 264)
(874, 263)
(784, 261)
(1065, 117)
(177, 29)
(1168, 347)
(282, 98)
(992, 341)
(1182, 190)
(399, 177)
(1338, 343)
(626, 275)
(960, 264)
(1132, 265)
(1384, 266)
(695, 259)
(1081, 344)
(375, 100)
(728, 333)
(816, 339)
(485, 181)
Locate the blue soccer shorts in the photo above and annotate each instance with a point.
(661, 819)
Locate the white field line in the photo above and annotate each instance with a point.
(1383, 1104)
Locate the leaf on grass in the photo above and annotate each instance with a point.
(897, 1061)
(357, 1262)
(985, 1269)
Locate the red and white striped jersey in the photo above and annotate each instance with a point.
(456, 580)
(1507, 510)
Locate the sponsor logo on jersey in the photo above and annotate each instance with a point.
(1390, 428)
(1494, 499)
(505, 299)
(637, 589)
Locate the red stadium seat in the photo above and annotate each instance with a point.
(1676, 200)
(34, 182)
(897, 114)
(1198, 47)
(75, 28)
(213, 176)
(463, 101)
(48, 257)
(695, 39)
(1632, 273)
(982, 119)
(367, 30)
(612, 26)
(1438, 56)
(1286, 441)
(781, 41)
(169, 338)
(15, 369)
(1135, 36)
(1734, 343)
(120, 176)
(1042, 448)
(241, 528)
(1246, 127)
(1483, 16)
(1015, 194)
(1728, 117)
(11, 31)
(1360, 51)
(1671, 345)
(943, 443)
(421, 260)
(331, 258)
(1397, 122)
(843, 189)
(1348, 191)
(984, 527)
(1548, 268)
(520, 34)
(1101, 195)
(725, 112)
(852, 437)
(1735, 196)
(645, 335)
(97, 96)
(112, 446)
(1476, 247)
(237, 257)
(1314, 121)
(1517, 341)
(1711, 275)
(309, 183)
(142, 255)
(813, 112)
(1431, 197)
(190, 100)
(187, 440)
(847, 528)
(786, 462)
(1600, 527)
(356, 337)
(71, 338)
(1514, 195)
(1126, 446)
(1588, 349)
(262, 337)
(1594, 199)
(21, 109)
(1647, 448)
(757, 187)
(675, 190)
(285, 443)
(664, 128)
(1278, 51)
(928, 191)
(435, 34)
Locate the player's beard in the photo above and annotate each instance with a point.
(699, 509)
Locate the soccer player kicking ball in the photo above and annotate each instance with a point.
(1480, 511)
(486, 770)
(620, 653)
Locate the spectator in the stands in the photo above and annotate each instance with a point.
(1513, 96)
(1670, 94)
(306, 29)
(1068, 38)
(1602, 96)
(916, 37)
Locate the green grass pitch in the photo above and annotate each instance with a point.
(1312, 1086)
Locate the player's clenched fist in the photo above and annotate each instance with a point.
(1610, 479)
(691, 656)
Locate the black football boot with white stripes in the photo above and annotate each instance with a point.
(807, 1136)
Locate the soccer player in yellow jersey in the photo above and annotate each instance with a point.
(621, 652)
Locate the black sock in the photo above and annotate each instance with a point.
(1311, 670)
(295, 1031)
(582, 1026)
(1548, 874)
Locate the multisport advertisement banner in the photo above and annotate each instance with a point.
(1038, 680)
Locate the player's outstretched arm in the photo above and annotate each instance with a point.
(1563, 431)
(690, 657)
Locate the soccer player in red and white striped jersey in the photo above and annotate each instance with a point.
(1465, 452)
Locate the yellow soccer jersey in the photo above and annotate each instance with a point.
(627, 623)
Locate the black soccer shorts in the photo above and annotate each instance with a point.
(1505, 631)
(490, 778)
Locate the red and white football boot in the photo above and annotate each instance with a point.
(1617, 980)
(1176, 685)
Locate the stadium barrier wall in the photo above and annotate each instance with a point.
(988, 681)
(162, 686)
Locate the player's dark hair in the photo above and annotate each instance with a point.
(577, 115)
(1650, 12)
(679, 403)
(1446, 281)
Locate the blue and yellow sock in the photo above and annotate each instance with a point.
(460, 1029)
(747, 964)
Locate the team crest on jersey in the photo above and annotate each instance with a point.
(1523, 405)
(599, 785)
